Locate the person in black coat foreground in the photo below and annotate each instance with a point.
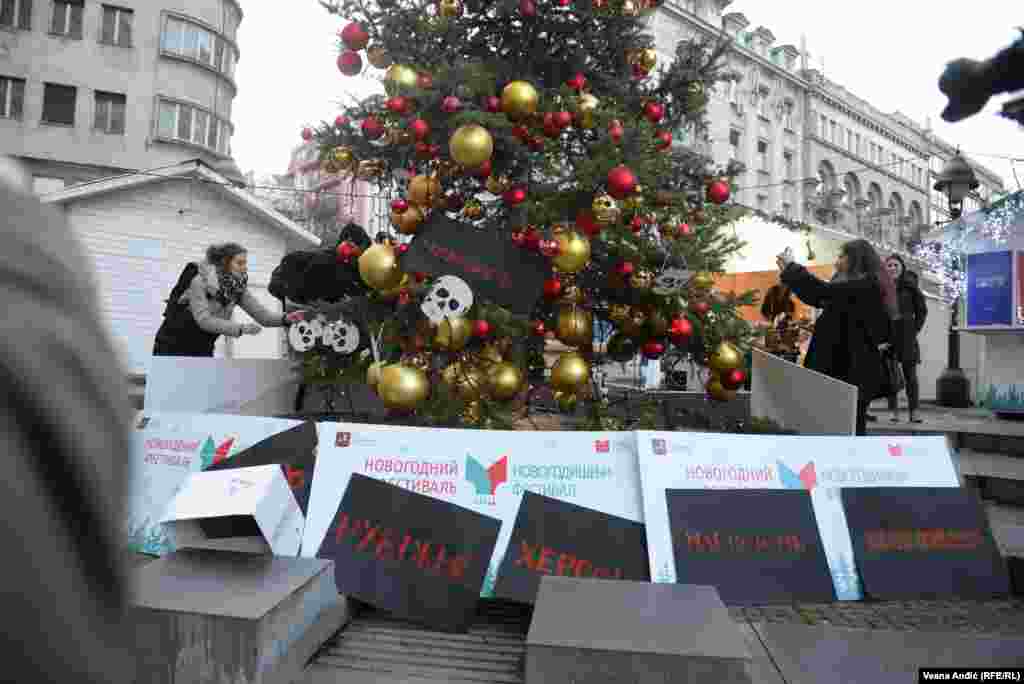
(913, 312)
(855, 323)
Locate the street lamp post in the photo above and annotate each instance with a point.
(953, 388)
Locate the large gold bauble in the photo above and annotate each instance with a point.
(393, 292)
(403, 387)
(470, 383)
(449, 9)
(408, 222)
(400, 75)
(471, 145)
(570, 372)
(647, 58)
(718, 392)
(702, 280)
(373, 374)
(586, 105)
(504, 381)
(491, 354)
(453, 334)
(606, 210)
(424, 190)
(519, 99)
(642, 279)
(725, 358)
(378, 267)
(573, 252)
(450, 375)
(378, 57)
(574, 326)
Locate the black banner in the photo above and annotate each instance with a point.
(294, 450)
(754, 546)
(410, 554)
(552, 537)
(488, 261)
(923, 542)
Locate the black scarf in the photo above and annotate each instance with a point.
(232, 287)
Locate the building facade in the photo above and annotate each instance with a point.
(90, 90)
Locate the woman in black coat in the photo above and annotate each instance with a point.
(854, 325)
(913, 312)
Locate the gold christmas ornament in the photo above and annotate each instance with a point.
(378, 57)
(647, 58)
(570, 372)
(403, 387)
(726, 358)
(519, 100)
(718, 392)
(471, 145)
(491, 354)
(373, 374)
(505, 380)
(399, 75)
(470, 382)
(642, 279)
(343, 155)
(408, 222)
(424, 190)
(453, 334)
(573, 252)
(574, 326)
(378, 267)
(605, 210)
(449, 9)
(586, 105)
(393, 292)
(702, 280)
(497, 184)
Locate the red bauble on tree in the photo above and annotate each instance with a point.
(402, 249)
(654, 111)
(307, 134)
(653, 349)
(347, 250)
(354, 36)
(515, 196)
(684, 229)
(621, 182)
(563, 119)
(399, 206)
(718, 192)
(451, 104)
(492, 104)
(625, 268)
(350, 63)
(419, 128)
(397, 104)
(615, 131)
(424, 81)
(532, 239)
(340, 121)
(664, 140)
(680, 330)
(521, 132)
(481, 328)
(577, 82)
(637, 224)
(527, 8)
(549, 248)
(552, 288)
(538, 328)
(733, 379)
(372, 128)
(700, 307)
(585, 221)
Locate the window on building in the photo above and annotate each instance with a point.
(732, 91)
(734, 144)
(186, 123)
(787, 211)
(117, 26)
(824, 127)
(762, 203)
(762, 102)
(787, 115)
(835, 131)
(856, 145)
(16, 14)
(67, 18)
(42, 185)
(110, 110)
(59, 104)
(849, 140)
(12, 97)
(191, 41)
(762, 156)
(787, 159)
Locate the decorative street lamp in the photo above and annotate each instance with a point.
(955, 181)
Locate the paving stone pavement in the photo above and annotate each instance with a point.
(971, 617)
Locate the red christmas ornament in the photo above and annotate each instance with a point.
(615, 131)
(372, 128)
(549, 248)
(404, 298)
(577, 82)
(521, 132)
(402, 248)
(552, 130)
(346, 250)
(718, 192)
(527, 8)
(625, 268)
(652, 349)
(734, 379)
(621, 182)
(654, 111)
(515, 196)
(450, 104)
(532, 239)
(492, 104)
(350, 63)
(481, 328)
(552, 288)
(637, 224)
(354, 36)
(340, 121)
(585, 221)
(563, 119)
(422, 150)
(425, 81)
(685, 229)
(483, 171)
(564, 3)
(664, 140)
(539, 328)
(399, 206)
(680, 330)
(420, 129)
(307, 134)
(518, 238)
(397, 104)
(700, 308)
(420, 276)
(454, 201)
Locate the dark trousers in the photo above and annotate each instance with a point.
(913, 387)
(862, 417)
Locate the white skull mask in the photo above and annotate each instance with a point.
(450, 297)
(671, 281)
(302, 336)
(342, 336)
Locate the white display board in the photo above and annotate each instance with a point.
(250, 387)
(483, 470)
(801, 399)
(819, 465)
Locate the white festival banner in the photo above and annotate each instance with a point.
(485, 471)
(820, 465)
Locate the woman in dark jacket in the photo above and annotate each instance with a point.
(203, 313)
(857, 307)
(913, 312)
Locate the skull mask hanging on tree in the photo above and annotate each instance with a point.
(672, 278)
(302, 335)
(342, 336)
(449, 297)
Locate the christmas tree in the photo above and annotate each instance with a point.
(526, 153)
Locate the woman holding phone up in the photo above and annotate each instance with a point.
(857, 306)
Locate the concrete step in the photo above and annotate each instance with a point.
(425, 655)
(475, 636)
(356, 638)
(318, 673)
(431, 669)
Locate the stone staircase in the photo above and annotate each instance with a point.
(376, 648)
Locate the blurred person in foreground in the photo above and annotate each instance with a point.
(65, 425)
(858, 306)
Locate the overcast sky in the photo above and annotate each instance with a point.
(889, 52)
